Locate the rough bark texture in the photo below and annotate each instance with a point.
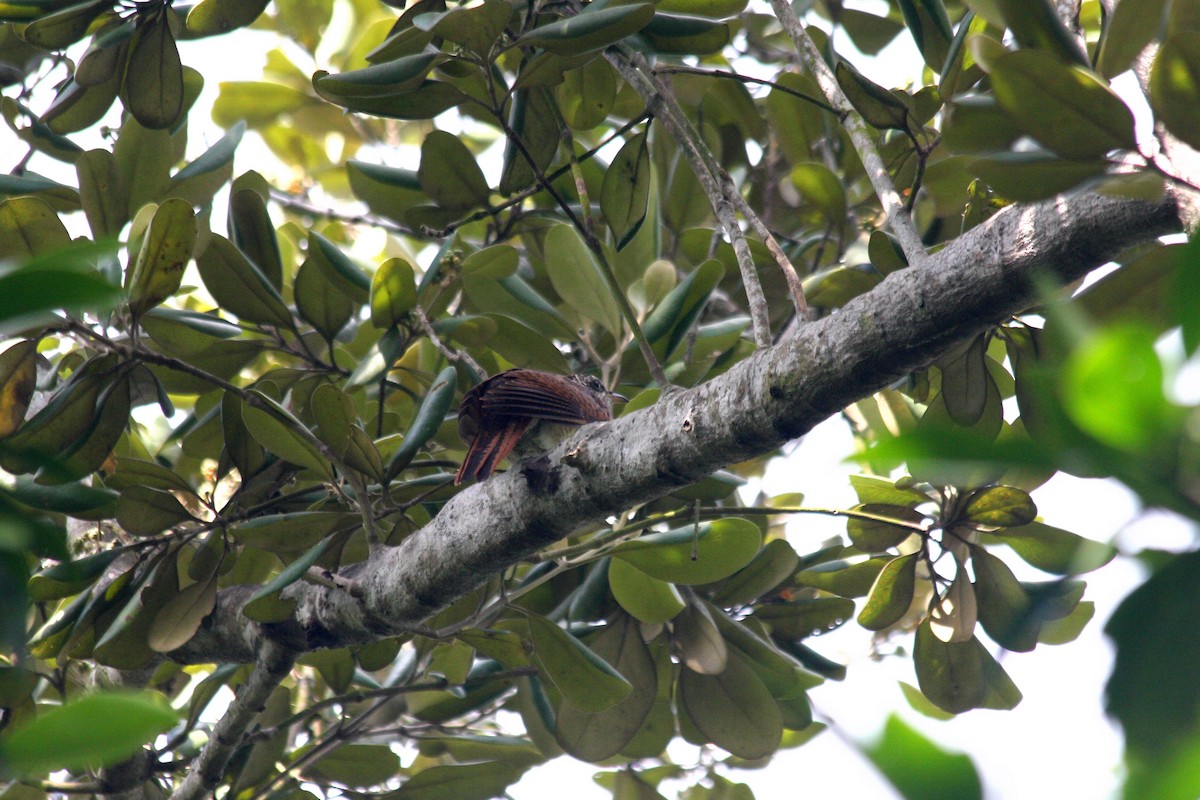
(977, 281)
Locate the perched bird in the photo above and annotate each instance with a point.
(528, 412)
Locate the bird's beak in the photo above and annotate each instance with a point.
(618, 397)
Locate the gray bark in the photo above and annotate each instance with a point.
(778, 394)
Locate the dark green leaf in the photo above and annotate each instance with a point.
(891, 595)
(1175, 86)
(96, 730)
(733, 710)
(1066, 108)
(591, 29)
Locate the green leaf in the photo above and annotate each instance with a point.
(211, 17)
(876, 536)
(929, 25)
(153, 90)
(18, 379)
(29, 227)
(818, 185)
(476, 29)
(278, 430)
(176, 622)
(250, 227)
(386, 190)
(576, 277)
(337, 426)
(648, 599)
(625, 192)
(919, 769)
(358, 765)
(891, 595)
(1031, 175)
(1112, 387)
(427, 421)
(449, 173)
(872, 489)
(847, 580)
(586, 95)
(1175, 86)
(102, 192)
(292, 532)
(320, 299)
(380, 80)
(966, 383)
(351, 280)
(256, 103)
(1001, 506)
(673, 318)
(1066, 108)
(1036, 24)
(1004, 607)
(597, 736)
(733, 710)
(1055, 550)
(878, 106)
(977, 124)
(799, 619)
(1150, 691)
(165, 251)
(774, 564)
(239, 286)
(950, 674)
(143, 511)
(266, 605)
(585, 680)
(393, 292)
(1132, 26)
(93, 731)
(721, 548)
(783, 676)
(716, 9)
(697, 641)
(59, 30)
(592, 29)
(481, 781)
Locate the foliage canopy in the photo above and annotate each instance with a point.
(217, 432)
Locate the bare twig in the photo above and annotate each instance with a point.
(453, 356)
(723, 194)
(897, 215)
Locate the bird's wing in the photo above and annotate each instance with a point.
(511, 394)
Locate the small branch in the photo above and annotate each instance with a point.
(303, 206)
(525, 194)
(453, 356)
(667, 69)
(273, 665)
(661, 101)
(897, 215)
(593, 244)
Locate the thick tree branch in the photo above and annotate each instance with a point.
(774, 396)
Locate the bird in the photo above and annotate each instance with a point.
(526, 412)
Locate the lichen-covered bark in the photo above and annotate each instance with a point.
(978, 280)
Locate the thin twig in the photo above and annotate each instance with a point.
(453, 356)
(897, 215)
(637, 73)
(666, 69)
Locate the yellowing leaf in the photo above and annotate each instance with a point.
(165, 251)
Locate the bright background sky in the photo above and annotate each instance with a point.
(1057, 742)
